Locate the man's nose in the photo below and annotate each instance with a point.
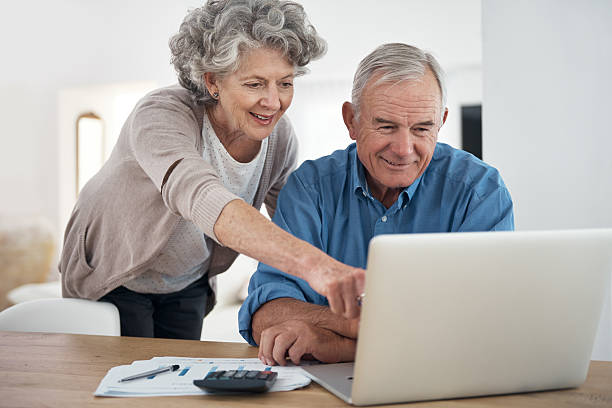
(271, 99)
(404, 143)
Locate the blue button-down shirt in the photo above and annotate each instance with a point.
(327, 203)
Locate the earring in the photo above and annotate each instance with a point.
(215, 95)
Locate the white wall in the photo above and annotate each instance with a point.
(547, 90)
(465, 88)
(546, 101)
(450, 29)
(49, 47)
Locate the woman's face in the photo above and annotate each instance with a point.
(252, 99)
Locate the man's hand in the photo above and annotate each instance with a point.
(301, 340)
(280, 310)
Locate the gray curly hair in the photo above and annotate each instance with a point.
(213, 37)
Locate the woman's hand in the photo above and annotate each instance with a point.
(341, 284)
(245, 230)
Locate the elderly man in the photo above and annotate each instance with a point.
(395, 178)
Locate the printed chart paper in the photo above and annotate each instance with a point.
(180, 382)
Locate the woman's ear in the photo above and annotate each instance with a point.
(348, 115)
(211, 83)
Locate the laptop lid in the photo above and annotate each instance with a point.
(482, 313)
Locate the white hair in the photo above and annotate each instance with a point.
(396, 62)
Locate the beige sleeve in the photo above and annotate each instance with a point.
(163, 138)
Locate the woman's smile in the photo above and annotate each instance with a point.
(262, 119)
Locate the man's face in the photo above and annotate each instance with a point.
(396, 131)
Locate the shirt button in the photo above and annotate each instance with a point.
(384, 218)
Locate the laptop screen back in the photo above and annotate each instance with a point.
(455, 315)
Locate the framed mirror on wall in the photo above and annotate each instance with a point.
(90, 142)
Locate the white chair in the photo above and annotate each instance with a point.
(33, 291)
(77, 316)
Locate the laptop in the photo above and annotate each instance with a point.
(472, 314)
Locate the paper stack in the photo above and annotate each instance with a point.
(180, 382)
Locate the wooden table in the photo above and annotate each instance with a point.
(63, 370)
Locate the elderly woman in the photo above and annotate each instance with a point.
(180, 193)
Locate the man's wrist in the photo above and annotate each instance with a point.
(348, 348)
(344, 327)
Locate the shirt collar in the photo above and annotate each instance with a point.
(360, 184)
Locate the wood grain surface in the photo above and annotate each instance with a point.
(63, 370)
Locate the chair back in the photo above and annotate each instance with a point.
(77, 316)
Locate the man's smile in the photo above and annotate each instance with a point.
(398, 163)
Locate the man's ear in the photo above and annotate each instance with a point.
(444, 117)
(211, 82)
(348, 115)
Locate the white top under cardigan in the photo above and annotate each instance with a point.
(186, 256)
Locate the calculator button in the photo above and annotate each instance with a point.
(227, 375)
(263, 375)
(240, 374)
(252, 374)
(213, 375)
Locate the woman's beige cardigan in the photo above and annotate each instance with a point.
(156, 175)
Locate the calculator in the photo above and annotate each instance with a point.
(237, 381)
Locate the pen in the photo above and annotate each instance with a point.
(173, 367)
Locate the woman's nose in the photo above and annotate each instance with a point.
(271, 99)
